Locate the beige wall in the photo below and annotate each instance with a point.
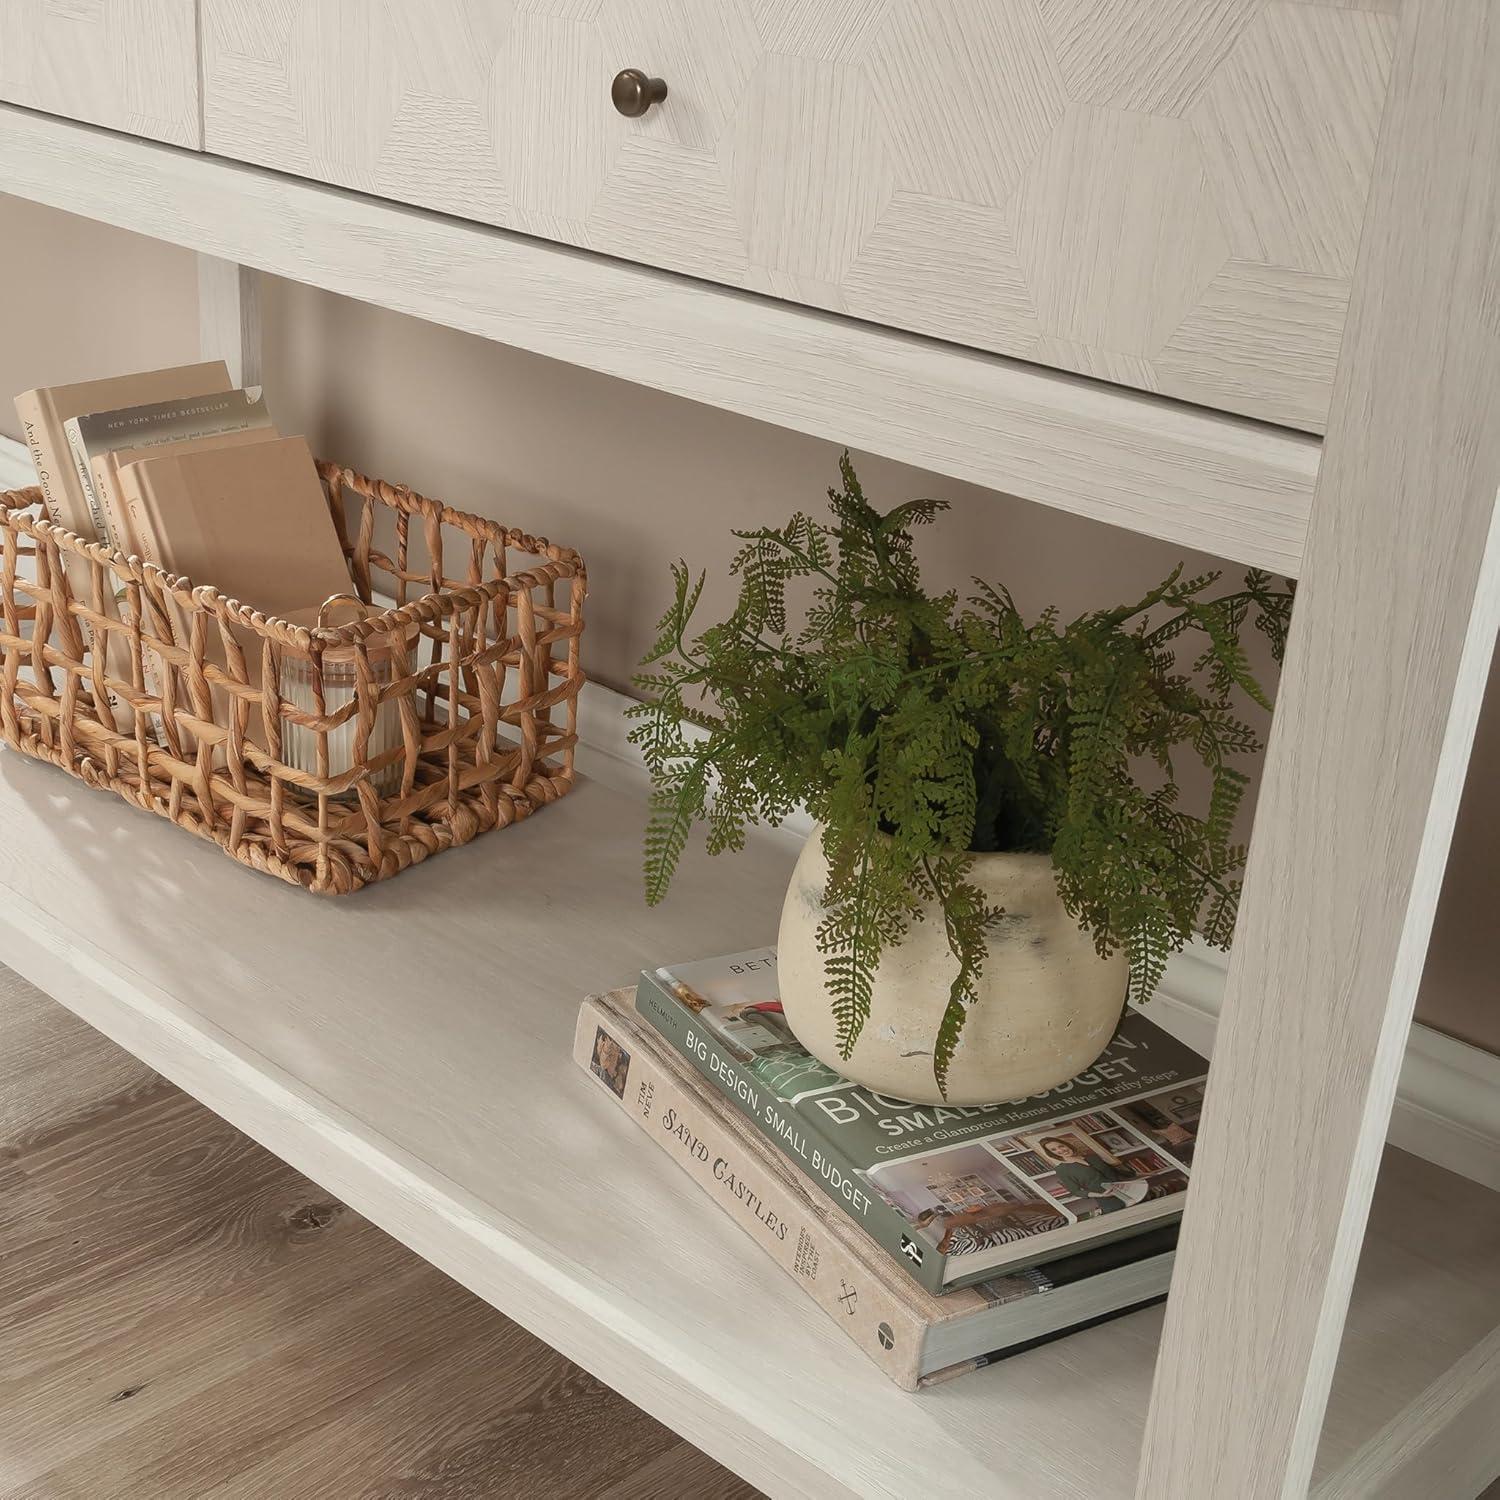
(630, 477)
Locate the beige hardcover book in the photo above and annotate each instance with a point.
(47, 445)
(141, 427)
(251, 519)
(43, 413)
(105, 477)
(136, 431)
(105, 473)
(766, 1201)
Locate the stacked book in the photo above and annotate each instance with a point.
(939, 1238)
(180, 469)
(184, 471)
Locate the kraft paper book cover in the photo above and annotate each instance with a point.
(44, 413)
(953, 1193)
(917, 1339)
(184, 419)
(251, 519)
(110, 500)
(248, 517)
(105, 474)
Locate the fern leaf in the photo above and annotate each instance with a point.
(1224, 801)
(955, 1013)
(917, 729)
(672, 626)
(674, 807)
(849, 939)
(1218, 926)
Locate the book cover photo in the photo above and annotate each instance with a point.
(954, 1192)
(914, 1337)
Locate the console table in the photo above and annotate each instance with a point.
(1007, 242)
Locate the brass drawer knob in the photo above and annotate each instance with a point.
(633, 93)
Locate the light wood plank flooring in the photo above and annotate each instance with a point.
(184, 1316)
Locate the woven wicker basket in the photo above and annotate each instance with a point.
(482, 670)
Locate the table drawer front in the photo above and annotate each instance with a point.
(1163, 193)
(131, 65)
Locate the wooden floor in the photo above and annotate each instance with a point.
(183, 1316)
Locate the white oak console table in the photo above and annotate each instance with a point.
(1007, 242)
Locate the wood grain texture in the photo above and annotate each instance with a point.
(409, 1050)
(185, 1317)
(1099, 364)
(1133, 145)
(1288, 126)
(1114, 203)
(1391, 643)
(809, 170)
(687, 187)
(35, 1093)
(1378, 7)
(1445, 1443)
(968, 92)
(229, 317)
(129, 64)
(1250, 315)
(835, 31)
(710, 53)
(1149, 56)
(1224, 486)
(550, 126)
(975, 292)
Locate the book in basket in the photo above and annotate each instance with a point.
(955, 1194)
(915, 1338)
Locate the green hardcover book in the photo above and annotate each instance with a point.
(955, 1194)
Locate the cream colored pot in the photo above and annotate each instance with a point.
(1047, 1003)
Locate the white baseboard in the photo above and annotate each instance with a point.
(1448, 1101)
(1447, 1106)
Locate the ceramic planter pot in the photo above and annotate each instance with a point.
(1046, 1008)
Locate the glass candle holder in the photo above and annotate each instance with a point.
(340, 671)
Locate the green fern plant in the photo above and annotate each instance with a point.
(920, 730)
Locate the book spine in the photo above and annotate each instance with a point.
(34, 433)
(80, 455)
(796, 1138)
(41, 433)
(769, 1211)
(113, 527)
(138, 522)
(110, 504)
(114, 652)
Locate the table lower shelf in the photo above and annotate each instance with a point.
(408, 1048)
